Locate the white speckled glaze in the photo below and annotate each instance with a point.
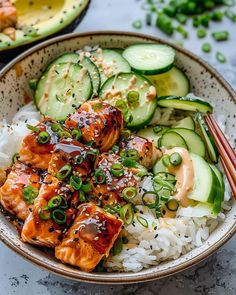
(205, 82)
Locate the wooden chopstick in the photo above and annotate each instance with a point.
(228, 155)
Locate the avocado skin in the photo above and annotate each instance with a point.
(8, 54)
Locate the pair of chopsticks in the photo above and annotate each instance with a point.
(228, 155)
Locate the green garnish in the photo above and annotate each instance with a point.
(64, 172)
(137, 24)
(157, 129)
(86, 187)
(217, 16)
(230, 15)
(56, 127)
(182, 31)
(133, 98)
(44, 213)
(142, 221)
(166, 160)
(118, 247)
(15, 158)
(33, 83)
(100, 177)
(164, 23)
(75, 182)
(206, 47)
(175, 159)
(29, 194)
(220, 36)
(58, 216)
(32, 128)
(172, 205)
(148, 19)
(127, 214)
(150, 199)
(76, 134)
(201, 33)
(43, 137)
(220, 57)
(132, 154)
(129, 193)
(54, 202)
(79, 159)
(117, 170)
(121, 105)
(82, 197)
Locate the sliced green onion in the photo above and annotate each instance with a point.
(158, 211)
(115, 149)
(117, 170)
(121, 105)
(127, 214)
(182, 31)
(33, 83)
(54, 202)
(148, 19)
(75, 182)
(157, 129)
(165, 198)
(118, 247)
(82, 197)
(172, 205)
(148, 202)
(79, 159)
(15, 158)
(129, 192)
(164, 23)
(169, 10)
(44, 213)
(133, 98)
(220, 36)
(159, 184)
(206, 47)
(175, 159)
(217, 16)
(113, 209)
(220, 57)
(32, 128)
(229, 2)
(201, 33)
(142, 171)
(142, 221)
(125, 134)
(131, 153)
(90, 143)
(100, 176)
(205, 19)
(76, 134)
(230, 15)
(92, 154)
(86, 187)
(56, 127)
(58, 216)
(166, 177)
(43, 137)
(29, 194)
(196, 21)
(137, 24)
(181, 18)
(64, 204)
(166, 160)
(64, 172)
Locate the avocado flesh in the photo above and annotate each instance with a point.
(37, 19)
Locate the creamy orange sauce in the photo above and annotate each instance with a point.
(184, 175)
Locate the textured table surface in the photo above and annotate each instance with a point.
(216, 275)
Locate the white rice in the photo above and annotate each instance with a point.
(11, 135)
(164, 239)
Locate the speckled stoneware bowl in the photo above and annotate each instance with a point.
(205, 82)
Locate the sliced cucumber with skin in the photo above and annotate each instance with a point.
(219, 198)
(109, 62)
(187, 123)
(210, 144)
(172, 139)
(159, 167)
(185, 103)
(193, 140)
(149, 134)
(173, 82)
(150, 59)
(62, 88)
(205, 181)
(85, 62)
(117, 87)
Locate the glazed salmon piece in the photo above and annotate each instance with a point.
(147, 152)
(99, 122)
(90, 238)
(73, 153)
(33, 152)
(110, 191)
(11, 193)
(8, 15)
(48, 233)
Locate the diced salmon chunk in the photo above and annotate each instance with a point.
(90, 238)
(46, 232)
(11, 193)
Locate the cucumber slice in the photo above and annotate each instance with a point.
(150, 59)
(185, 103)
(193, 140)
(173, 82)
(210, 144)
(205, 181)
(62, 88)
(149, 134)
(159, 167)
(172, 139)
(187, 123)
(109, 62)
(85, 62)
(219, 198)
(117, 87)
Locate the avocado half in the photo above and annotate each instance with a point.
(39, 19)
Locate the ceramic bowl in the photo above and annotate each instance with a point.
(205, 82)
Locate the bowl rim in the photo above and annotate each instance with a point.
(103, 279)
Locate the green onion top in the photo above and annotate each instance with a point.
(117, 170)
(150, 199)
(44, 213)
(121, 105)
(64, 172)
(76, 134)
(127, 214)
(79, 159)
(129, 192)
(175, 159)
(130, 153)
(32, 128)
(58, 216)
(54, 202)
(75, 182)
(142, 221)
(133, 98)
(99, 176)
(29, 194)
(43, 137)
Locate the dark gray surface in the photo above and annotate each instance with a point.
(215, 275)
